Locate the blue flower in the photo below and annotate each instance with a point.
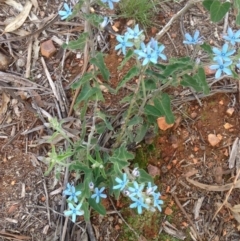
(123, 40)
(121, 182)
(157, 48)
(110, 3)
(221, 67)
(192, 40)
(139, 204)
(74, 211)
(98, 194)
(223, 53)
(65, 14)
(232, 37)
(71, 192)
(157, 202)
(136, 190)
(134, 33)
(148, 54)
(150, 189)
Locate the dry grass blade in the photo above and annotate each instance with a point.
(214, 188)
(234, 153)
(20, 19)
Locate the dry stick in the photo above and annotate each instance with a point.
(29, 57)
(228, 194)
(177, 15)
(120, 215)
(50, 79)
(186, 215)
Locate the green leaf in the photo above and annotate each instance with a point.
(85, 78)
(121, 156)
(152, 110)
(172, 68)
(77, 44)
(97, 206)
(197, 82)
(207, 4)
(85, 208)
(189, 81)
(104, 118)
(164, 105)
(141, 132)
(99, 62)
(237, 4)
(201, 79)
(144, 177)
(150, 84)
(135, 120)
(76, 9)
(238, 19)
(134, 71)
(86, 93)
(218, 10)
(93, 19)
(127, 57)
(207, 48)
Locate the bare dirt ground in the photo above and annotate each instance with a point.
(193, 176)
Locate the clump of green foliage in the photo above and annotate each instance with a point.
(140, 10)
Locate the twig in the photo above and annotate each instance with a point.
(228, 194)
(186, 215)
(50, 79)
(29, 57)
(90, 232)
(177, 15)
(120, 215)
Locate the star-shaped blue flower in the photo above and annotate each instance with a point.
(136, 190)
(139, 204)
(110, 3)
(65, 14)
(123, 43)
(74, 211)
(121, 182)
(223, 53)
(134, 33)
(98, 194)
(232, 37)
(221, 67)
(150, 188)
(71, 192)
(157, 202)
(192, 40)
(149, 55)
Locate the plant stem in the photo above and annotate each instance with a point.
(129, 111)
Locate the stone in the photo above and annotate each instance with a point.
(48, 49)
(213, 139)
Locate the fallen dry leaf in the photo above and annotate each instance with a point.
(19, 19)
(213, 139)
(162, 124)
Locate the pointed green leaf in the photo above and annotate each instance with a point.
(189, 81)
(85, 208)
(152, 110)
(141, 132)
(86, 93)
(207, 4)
(201, 79)
(85, 78)
(218, 10)
(163, 104)
(77, 44)
(207, 48)
(97, 206)
(238, 18)
(135, 120)
(134, 71)
(99, 62)
(127, 57)
(144, 177)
